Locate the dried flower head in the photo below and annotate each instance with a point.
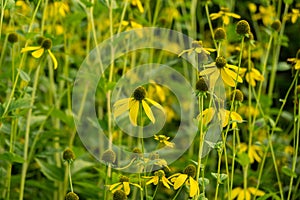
(201, 85)
(239, 96)
(119, 195)
(190, 170)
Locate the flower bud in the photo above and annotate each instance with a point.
(68, 155)
(276, 25)
(71, 196)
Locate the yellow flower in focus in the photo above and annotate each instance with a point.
(220, 68)
(139, 5)
(134, 103)
(225, 15)
(240, 193)
(38, 51)
(252, 75)
(123, 184)
(158, 176)
(164, 139)
(223, 116)
(255, 152)
(295, 61)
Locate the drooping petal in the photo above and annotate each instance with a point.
(148, 111)
(228, 80)
(133, 112)
(233, 15)
(180, 181)
(256, 192)
(207, 71)
(154, 103)
(225, 19)
(120, 107)
(207, 115)
(233, 75)
(235, 192)
(25, 49)
(113, 186)
(126, 187)
(38, 53)
(166, 182)
(236, 117)
(193, 187)
(53, 59)
(250, 80)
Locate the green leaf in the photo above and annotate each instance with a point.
(203, 181)
(219, 177)
(24, 76)
(11, 157)
(20, 104)
(63, 117)
(52, 172)
(267, 196)
(289, 172)
(243, 159)
(289, 2)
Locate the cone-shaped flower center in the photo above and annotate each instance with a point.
(124, 179)
(190, 170)
(220, 62)
(160, 173)
(47, 44)
(139, 93)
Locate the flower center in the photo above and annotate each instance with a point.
(190, 170)
(139, 93)
(220, 62)
(124, 179)
(160, 173)
(46, 44)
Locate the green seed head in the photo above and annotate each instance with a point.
(159, 173)
(68, 155)
(12, 38)
(239, 96)
(46, 44)
(276, 25)
(220, 34)
(109, 156)
(242, 27)
(119, 195)
(124, 179)
(201, 85)
(71, 196)
(190, 170)
(139, 93)
(220, 62)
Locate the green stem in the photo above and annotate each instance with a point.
(218, 172)
(70, 176)
(210, 25)
(177, 193)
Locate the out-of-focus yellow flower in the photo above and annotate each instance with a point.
(240, 193)
(225, 15)
(289, 150)
(266, 14)
(138, 4)
(220, 68)
(133, 105)
(223, 116)
(246, 110)
(23, 7)
(123, 184)
(252, 75)
(38, 51)
(168, 14)
(255, 152)
(164, 139)
(198, 48)
(187, 177)
(158, 176)
(57, 8)
(295, 61)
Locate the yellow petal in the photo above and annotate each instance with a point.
(154, 103)
(113, 186)
(133, 112)
(250, 80)
(165, 182)
(121, 108)
(256, 192)
(207, 115)
(228, 80)
(180, 181)
(30, 49)
(122, 101)
(193, 187)
(225, 19)
(235, 192)
(38, 53)
(148, 111)
(53, 59)
(236, 117)
(140, 6)
(241, 195)
(126, 188)
(208, 71)
(233, 15)
(214, 16)
(233, 75)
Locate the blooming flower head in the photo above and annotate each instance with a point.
(164, 139)
(295, 61)
(220, 68)
(225, 15)
(139, 5)
(266, 14)
(294, 15)
(159, 176)
(187, 177)
(197, 47)
(240, 193)
(251, 74)
(134, 103)
(123, 184)
(38, 51)
(254, 152)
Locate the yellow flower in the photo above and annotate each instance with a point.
(187, 177)
(164, 139)
(252, 75)
(240, 194)
(38, 51)
(295, 61)
(220, 68)
(198, 48)
(255, 152)
(224, 14)
(123, 184)
(223, 116)
(266, 14)
(130, 25)
(133, 105)
(57, 8)
(158, 176)
(138, 4)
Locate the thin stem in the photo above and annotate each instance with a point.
(218, 172)
(70, 176)
(177, 193)
(210, 25)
